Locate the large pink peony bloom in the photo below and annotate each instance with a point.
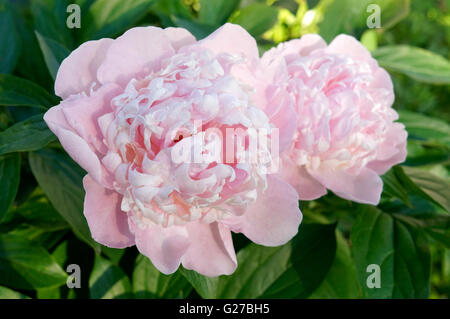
(129, 105)
(346, 135)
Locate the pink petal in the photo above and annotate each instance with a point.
(179, 37)
(107, 222)
(293, 48)
(393, 150)
(348, 45)
(163, 246)
(307, 187)
(211, 252)
(136, 53)
(363, 188)
(74, 123)
(82, 114)
(233, 39)
(79, 70)
(273, 219)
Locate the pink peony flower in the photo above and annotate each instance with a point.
(346, 135)
(131, 106)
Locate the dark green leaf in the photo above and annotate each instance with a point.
(429, 186)
(37, 211)
(50, 18)
(294, 270)
(108, 281)
(426, 128)
(393, 187)
(216, 12)
(15, 91)
(29, 135)
(54, 53)
(25, 265)
(417, 63)
(198, 30)
(113, 254)
(9, 182)
(149, 282)
(436, 225)
(108, 18)
(9, 38)
(399, 250)
(256, 18)
(30, 57)
(61, 180)
(341, 281)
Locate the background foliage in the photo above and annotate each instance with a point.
(42, 228)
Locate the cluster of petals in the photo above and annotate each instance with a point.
(346, 134)
(129, 104)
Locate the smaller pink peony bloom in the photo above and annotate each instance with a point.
(131, 106)
(346, 135)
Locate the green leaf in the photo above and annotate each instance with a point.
(424, 127)
(149, 282)
(6, 293)
(216, 12)
(350, 16)
(341, 282)
(60, 256)
(37, 211)
(9, 39)
(50, 18)
(108, 18)
(29, 135)
(428, 186)
(108, 281)
(113, 254)
(394, 188)
(166, 9)
(26, 265)
(15, 91)
(399, 250)
(403, 180)
(9, 182)
(61, 180)
(198, 30)
(30, 58)
(54, 53)
(435, 225)
(417, 63)
(294, 270)
(256, 18)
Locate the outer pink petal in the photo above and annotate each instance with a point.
(135, 53)
(163, 246)
(82, 114)
(74, 123)
(107, 222)
(307, 187)
(179, 37)
(348, 45)
(275, 217)
(394, 150)
(211, 252)
(233, 39)
(79, 70)
(293, 48)
(363, 188)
